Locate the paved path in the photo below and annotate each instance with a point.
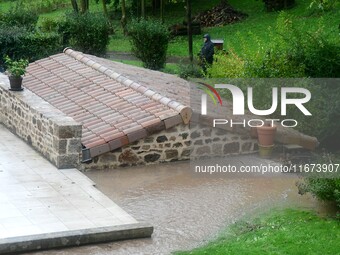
(36, 198)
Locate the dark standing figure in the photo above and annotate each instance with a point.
(207, 52)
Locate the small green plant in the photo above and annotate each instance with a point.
(16, 68)
(149, 40)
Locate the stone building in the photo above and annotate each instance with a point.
(87, 112)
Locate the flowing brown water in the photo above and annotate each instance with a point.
(185, 211)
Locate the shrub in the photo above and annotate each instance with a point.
(88, 32)
(325, 189)
(10, 40)
(45, 6)
(190, 71)
(226, 65)
(38, 45)
(18, 43)
(20, 16)
(149, 39)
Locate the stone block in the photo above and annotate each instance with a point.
(186, 153)
(69, 131)
(195, 134)
(161, 139)
(128, 156)
(231, 148)
(73, 146)
(204, 150)
(217, 149)
(246, 147)
(170, 154)
(67, 161)
(149, 139)
(153, 157)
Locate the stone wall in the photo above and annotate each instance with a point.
(45, 128)
(181, 142)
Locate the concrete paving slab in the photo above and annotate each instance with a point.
(42, 207)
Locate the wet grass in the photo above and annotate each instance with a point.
(253, 29)
(287, 232)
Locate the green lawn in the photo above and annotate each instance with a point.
(291, 232)
(254, 27)
(5, 6)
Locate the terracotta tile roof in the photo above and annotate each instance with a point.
(113, 109)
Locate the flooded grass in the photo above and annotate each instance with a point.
(285, 232)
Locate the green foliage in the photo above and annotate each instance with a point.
(292, 53)
(190, 71)
(226, 65)
(10, 38)
(88, 32)
(327, 188)
(324, 189)
(322, 5)
(19, 15)
(50, 25)
(45, 6)
(149, 40)
(17, 42)
(16, 68)
(295, 53)
(286, 232)
(37, 45)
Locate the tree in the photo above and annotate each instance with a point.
(143, 9)
(188, 7)
(84, 6)
(105, 9)
(123, 21)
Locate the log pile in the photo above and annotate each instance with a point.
(219, 15)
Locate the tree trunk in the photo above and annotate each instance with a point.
(162, 10)
(143, 9)
(75, 6)
(84, 6)
(123, 19)
(191, 56)
(105, 9)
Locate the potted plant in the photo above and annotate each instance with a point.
(15, 69)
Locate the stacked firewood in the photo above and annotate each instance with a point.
(219, 15)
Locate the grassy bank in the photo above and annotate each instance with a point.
(288, 232)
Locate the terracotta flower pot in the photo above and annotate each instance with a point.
(266, 135)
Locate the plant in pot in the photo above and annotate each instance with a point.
(15, 69)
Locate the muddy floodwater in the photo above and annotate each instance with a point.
(186, 211)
